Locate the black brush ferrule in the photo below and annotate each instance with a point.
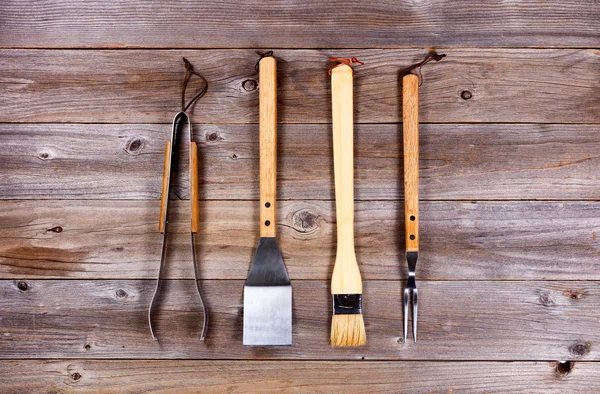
(347, 304)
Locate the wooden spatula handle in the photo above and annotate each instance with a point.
(268, 145)
(164, 197)
(410, 121)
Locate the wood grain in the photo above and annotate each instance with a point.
(471, 240)
(458, 162)
(410, 133)
(268, 146)
(143, 86)
(226, 24)
(150, 376)
(458, 320)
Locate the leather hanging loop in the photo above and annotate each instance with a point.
(189, 71)
(431, 56)
(343, 60)
(262, 55)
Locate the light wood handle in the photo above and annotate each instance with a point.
(346, 275)
(268, 145)
(164, 197)
(194, 185)
(410, 121)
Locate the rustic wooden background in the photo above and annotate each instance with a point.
(509, 278)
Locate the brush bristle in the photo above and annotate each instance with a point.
(348, 330)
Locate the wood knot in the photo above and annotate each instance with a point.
(76, 376)
(250, 85)
(563, 368)
(22, 285)
(234, 156)
(466, 95)
(305, 221)
(546, 299)
(44, 155)
(88, 346)
(135, 145)
(56, 229)
(121, 293)
(213, 137)
(573, 294)
(579, 349)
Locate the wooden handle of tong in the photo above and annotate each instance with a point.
(410, 121)
(164, 196)
(193, 187)
(346, 275)
(268, 145)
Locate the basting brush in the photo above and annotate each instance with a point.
(347, 326)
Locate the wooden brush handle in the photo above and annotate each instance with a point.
(164, 197)
(194, 185)
(410, 121)
(346, 276)
(268, 144)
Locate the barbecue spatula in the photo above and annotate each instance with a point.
(268, 291)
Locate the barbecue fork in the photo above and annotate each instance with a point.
(170, 152)
(410, 121)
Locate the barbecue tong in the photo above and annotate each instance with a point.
(179, 121)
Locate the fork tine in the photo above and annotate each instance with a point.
(406, 295)
(415, 310)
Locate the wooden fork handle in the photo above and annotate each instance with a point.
(410, 121)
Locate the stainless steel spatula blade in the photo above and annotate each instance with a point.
(268, 316)
(268, 298)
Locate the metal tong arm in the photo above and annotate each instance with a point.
(170, 151)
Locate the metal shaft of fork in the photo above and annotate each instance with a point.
(163, 255)
(410, 291)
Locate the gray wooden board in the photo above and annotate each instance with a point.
(137, 376)
(458, 320)
(508, 284)
(354, 23)
(143, 86)
(458, 162)
(459, 240)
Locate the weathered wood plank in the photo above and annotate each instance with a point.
(184, 23)
(458, 161)
(125, 376)
(119, 239)
(466, 320)
(506, 85)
